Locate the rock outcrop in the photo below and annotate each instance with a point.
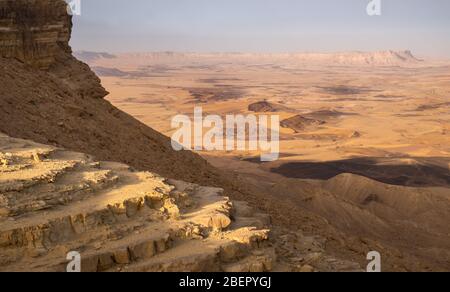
(37, 33)
(34, 32)
(55, 201)
(299, 123)
(267, 107)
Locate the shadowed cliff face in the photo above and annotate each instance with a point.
(37, 33)
(34, 32)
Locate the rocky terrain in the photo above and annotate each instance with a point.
(149, 210)
(267, 107)
(365, 162)
(54, 201)
(299, 123)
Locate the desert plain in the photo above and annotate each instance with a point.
(364, 137)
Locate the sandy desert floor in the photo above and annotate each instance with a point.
(374, 160)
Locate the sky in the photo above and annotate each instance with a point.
(422, 26)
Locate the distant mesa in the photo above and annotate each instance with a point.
(327, 114)
(299, 123)
(267, 107)
(406, 56)
(219, 93)
(380, 58)
(262, 107)
(344, 90)
(114, 72)
(109, 72)
(89, 57)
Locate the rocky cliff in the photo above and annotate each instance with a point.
(54, 201)
(34, 32)
(37, 34)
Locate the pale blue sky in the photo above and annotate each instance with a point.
(262, 26)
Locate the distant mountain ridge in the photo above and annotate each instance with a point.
(379, 58)
(87, 56)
